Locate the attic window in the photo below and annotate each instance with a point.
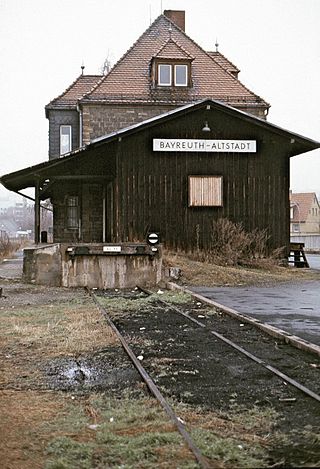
(180, 75)
(173, 74)
(164, 74)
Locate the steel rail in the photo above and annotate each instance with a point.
(258, 360)
(154, 389)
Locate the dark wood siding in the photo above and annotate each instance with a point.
(151, 188)
(143, 190)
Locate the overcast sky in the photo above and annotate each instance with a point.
(43, 43)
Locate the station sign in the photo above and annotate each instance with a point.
(203, 145)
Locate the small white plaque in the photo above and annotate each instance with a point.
(111, 248)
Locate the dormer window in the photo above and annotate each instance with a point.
(173, 74)
(171, 66)
(181, 75)
(164, 74)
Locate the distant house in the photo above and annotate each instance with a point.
(304, 214)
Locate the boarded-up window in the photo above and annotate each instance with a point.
(205, 191)
(72, 212)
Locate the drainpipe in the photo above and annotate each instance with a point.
(80, 125)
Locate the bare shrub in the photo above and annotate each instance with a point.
(228, 241)
(7, 247)
(231, 245)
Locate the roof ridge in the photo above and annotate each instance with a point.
(70, 87)
(229, 74)
(122, 57)
(64, 92)
(94, 86)
(234, 78)
(226, 58)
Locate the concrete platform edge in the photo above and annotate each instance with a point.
(286, 337)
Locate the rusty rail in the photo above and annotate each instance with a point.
(154, 389)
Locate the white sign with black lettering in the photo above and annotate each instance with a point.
(196, 145)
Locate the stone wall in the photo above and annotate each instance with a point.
(102, 120)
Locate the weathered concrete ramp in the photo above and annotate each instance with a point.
(12, 268)
(93, 265)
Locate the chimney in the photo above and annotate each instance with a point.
(177, 17)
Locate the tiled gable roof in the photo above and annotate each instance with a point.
(129, 80)
(172, 50)
(301, 203)
(82, 85)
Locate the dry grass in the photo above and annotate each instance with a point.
(205, 273)
(234, 257)
(35, 334)
(61, 329)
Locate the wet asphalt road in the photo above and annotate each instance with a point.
(294, 307)
(314, 261)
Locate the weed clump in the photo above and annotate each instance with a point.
(7, 247)
(231, 245)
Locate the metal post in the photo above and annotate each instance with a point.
(37, 213)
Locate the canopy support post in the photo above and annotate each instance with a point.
(37, 213)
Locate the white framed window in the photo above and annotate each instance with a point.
(65, 139)
(205, 191)
(172, 74)
(181, 75)
(72, 212)
(164, 74)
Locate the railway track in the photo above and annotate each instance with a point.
(201, 341)
(156, 391)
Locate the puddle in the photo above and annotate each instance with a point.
(102, 371)
(79, 373)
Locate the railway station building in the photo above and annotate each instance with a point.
(168, 141)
